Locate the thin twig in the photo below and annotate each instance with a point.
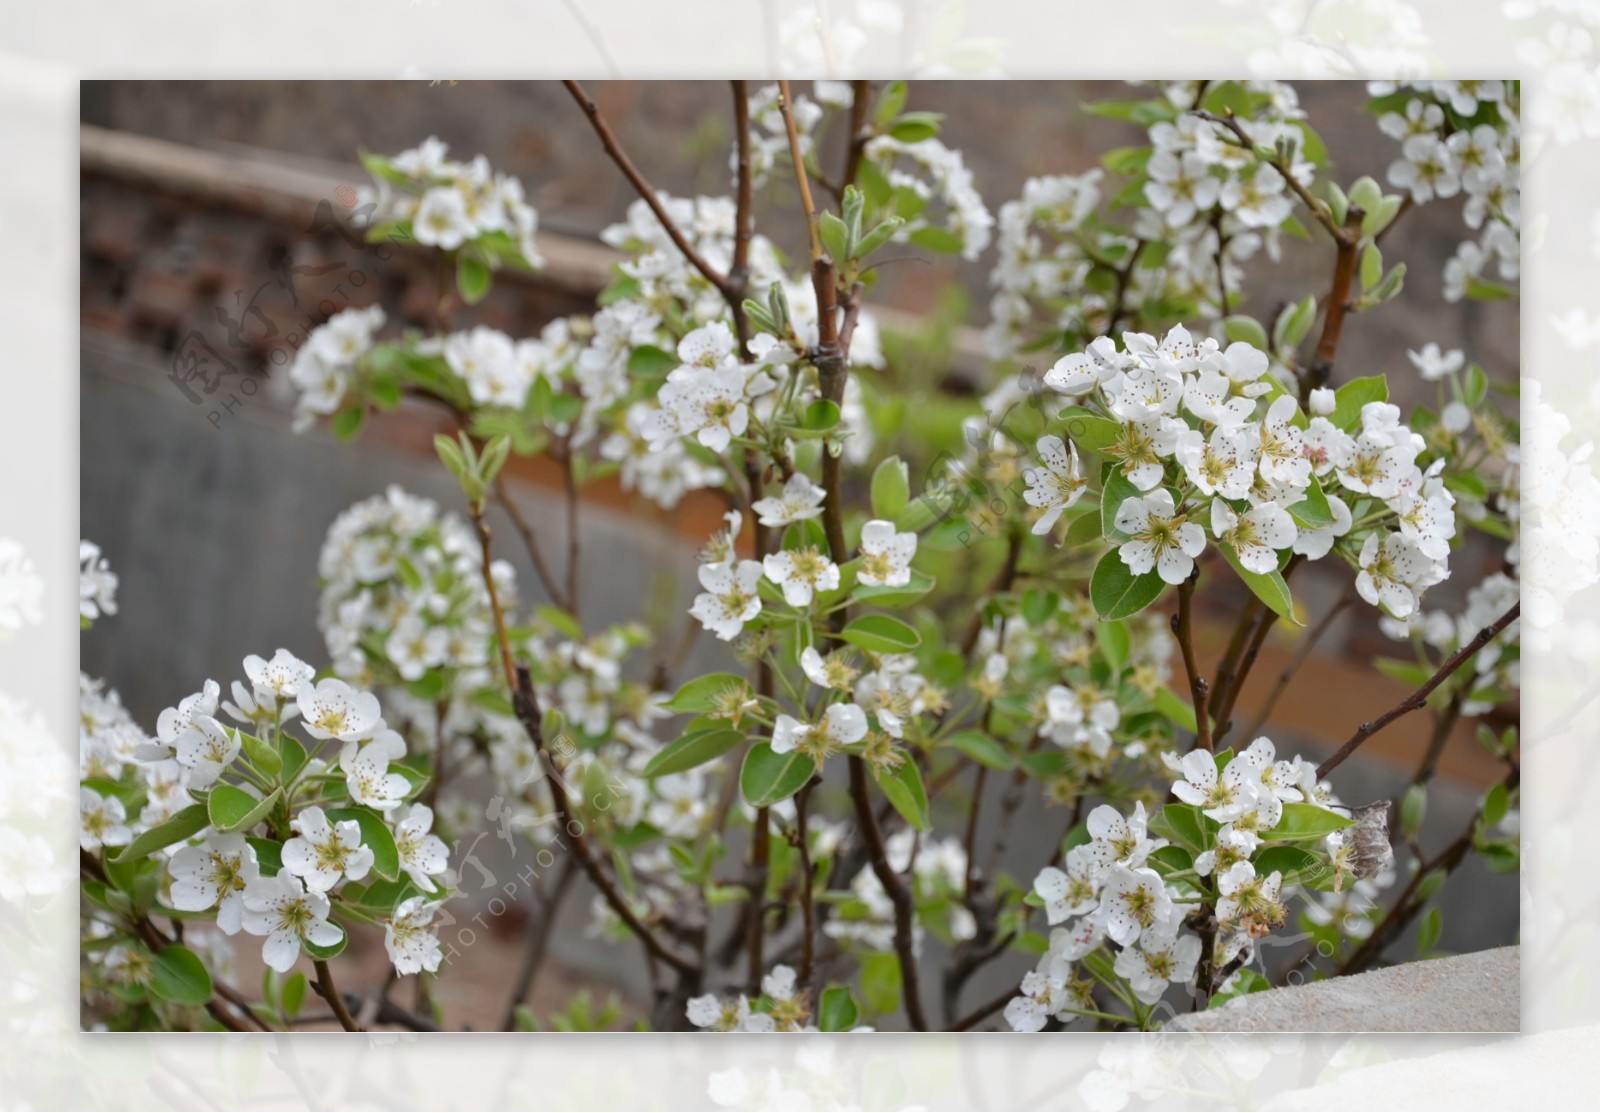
(1420, 697)
(1183, 628)
(895, 887)
(1301, 656)
(646, 191)
(323, 984)
(530, 543)
(744, 217)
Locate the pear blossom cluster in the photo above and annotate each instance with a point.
(328, 364)
(289, 908)
(133, 785)
(936, 870)
(1462, 138)
(1113, 891)
(930, 171)
(97, 584)
(1210, 426)
(450, 204)
(784, 1006)
(403, 599)
(1200, 201)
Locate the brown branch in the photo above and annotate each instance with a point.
(323, 984)
(1420, 697)
(860, 133)
(647, 192)
(530, 543)
(1301, 656)
(570, 486)
(744, 218)
(1336, 309)
(983, 1012)
(895, 887)
(1318, 209)
(526, 705)
(1183, 628)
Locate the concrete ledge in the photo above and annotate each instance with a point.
(1479, 992)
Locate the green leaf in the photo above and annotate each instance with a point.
(883, 595)
(1428, 934)
(1115, 489)
(891, 488)
(701, 693)
(259, 754)
(1248, 330)
(1115, 644)
(1356, 393)
(770, 778)
(982, 749)
(293, 994)
(1303, 822)
(347, 422)
(880, 981)
(879, 633)
(1313, 511)
(1085, 528)
(838, 1012)
(332, 950)
(821, 416)
(1413, 807)
(1495, 805)
(233, 809)
(1477, 385)
(1293, 863)
(472, 279)
(903, 786)
(375, 836)
(941, 240)
(649, 362)
(1269, 587)
(178, 975)
(1090, 431)
(913, 127)
(1183, 824)
(1117, 592)
(692, 751)
(835, 237)
(1178, 709)
(188, 822)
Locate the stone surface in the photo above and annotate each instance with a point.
(1479, 992)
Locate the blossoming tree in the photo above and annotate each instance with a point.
(784, 839)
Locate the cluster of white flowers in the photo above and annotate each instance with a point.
(785, 1006)
(450, 204)
(326, 366)
(769, 138)
(1462, 137)
(403, 596)
(1189, 415)
(1108, 891)
(732, 596)
(937, 874)
(663, 275)
(1204, 199)
(936, 173)
(97, 584)
(222, 873)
